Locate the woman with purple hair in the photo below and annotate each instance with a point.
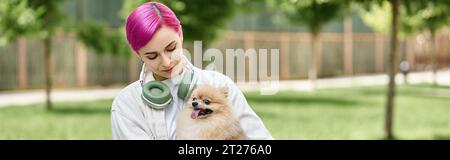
(146, 108)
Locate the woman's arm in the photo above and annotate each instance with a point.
(125, 122)
(125, 129)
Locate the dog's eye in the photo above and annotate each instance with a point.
(194, 99)
(206, 101)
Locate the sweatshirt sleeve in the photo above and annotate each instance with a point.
(125, 129)
(125, 120)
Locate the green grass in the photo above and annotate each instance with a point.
(81, 120)
(422, 112)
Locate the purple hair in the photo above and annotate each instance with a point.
(145, 20)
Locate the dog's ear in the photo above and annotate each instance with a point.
(224, 91)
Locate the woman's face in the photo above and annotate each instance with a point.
(162, 55)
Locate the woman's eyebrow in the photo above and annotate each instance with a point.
(154, 52)
(170, 44)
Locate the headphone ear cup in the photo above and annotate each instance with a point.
(156, 94)
(188, 83)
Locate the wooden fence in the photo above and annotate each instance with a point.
(342, 54)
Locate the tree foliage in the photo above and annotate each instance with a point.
(28, 18)
(416, 16)
(314, 13)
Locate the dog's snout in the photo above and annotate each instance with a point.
(194, 104)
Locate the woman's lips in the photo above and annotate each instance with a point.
(169, 70)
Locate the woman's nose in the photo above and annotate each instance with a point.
(165, 60)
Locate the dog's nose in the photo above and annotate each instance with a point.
(194, 104)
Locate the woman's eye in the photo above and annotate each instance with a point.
(206, 101)
(152, 57)
(171, 49)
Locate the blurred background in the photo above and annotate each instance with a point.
(337, 59)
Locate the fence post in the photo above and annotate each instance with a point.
(437, 50)
(410, 52)
(81, 64)
(22, 63)
(284, 53)
(133, 69)
(249, 43)
(319, 55)
(445, 47)
(348, 46)
(379, 53)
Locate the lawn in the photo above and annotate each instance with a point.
(422, 112)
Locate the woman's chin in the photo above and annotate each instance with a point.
(162, 75)
(175, 71)
(168, 75)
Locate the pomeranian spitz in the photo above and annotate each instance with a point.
(208, 116)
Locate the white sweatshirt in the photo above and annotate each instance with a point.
(132, 119)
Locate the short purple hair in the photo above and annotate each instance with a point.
(145, 20)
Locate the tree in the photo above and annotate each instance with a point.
(32, 18)
(392, 69)
(430, 16)
(393, 52)
(416, 16)
(314, 14)
(41, 18)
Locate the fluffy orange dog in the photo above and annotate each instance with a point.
(208, 116)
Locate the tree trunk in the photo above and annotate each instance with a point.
(434, 64)
(314, 60)
(392, 70)
(48, 73)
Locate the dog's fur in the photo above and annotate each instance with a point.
(208, 121)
